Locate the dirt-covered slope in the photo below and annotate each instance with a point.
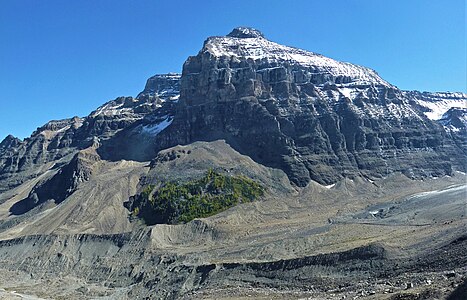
(286, 245)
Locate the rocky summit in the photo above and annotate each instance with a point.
(261, 171)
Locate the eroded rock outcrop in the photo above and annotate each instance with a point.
(62, 184)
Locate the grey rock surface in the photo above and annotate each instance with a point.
(284, 108)
(162, 85)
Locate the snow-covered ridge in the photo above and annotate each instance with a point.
(119, 106)
(164, 86)
(397, 110)
(159, 89)
(436, 109)
(455, 119)
(252, 45)
(54, 127)
(435, 105)
(437, 95)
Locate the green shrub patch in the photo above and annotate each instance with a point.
(174, 203)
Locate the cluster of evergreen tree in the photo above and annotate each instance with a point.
(174, 203)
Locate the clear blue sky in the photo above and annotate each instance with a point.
(61, 58)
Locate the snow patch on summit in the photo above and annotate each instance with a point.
(259, 48)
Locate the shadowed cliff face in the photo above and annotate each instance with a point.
(62, 184)
(455, 123)
(313, 117)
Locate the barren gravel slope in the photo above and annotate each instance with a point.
(358, 238)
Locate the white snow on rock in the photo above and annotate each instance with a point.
(155, 129)
(438, 108)
(259, 48)
(164, 86)
(437, 104)
(111, 108)
(450, 125)
(348, 92)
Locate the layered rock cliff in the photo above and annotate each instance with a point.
(309, 115)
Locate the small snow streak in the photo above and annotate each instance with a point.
(155, 129)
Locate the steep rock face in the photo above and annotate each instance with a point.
(125, 127)
(309, 115)
(22, 160)
(62, 184)
(136, 141)
(455, 123)
(9, 142)
(163, 86)
(313, 117)
(446, 108)
(455, 119)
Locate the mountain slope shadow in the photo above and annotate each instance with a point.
(137, 142)
(61, 185)
(460, 292)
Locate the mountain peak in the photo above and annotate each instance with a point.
(162, 85)
(245, 32)
(245, 43)
(9, 141)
